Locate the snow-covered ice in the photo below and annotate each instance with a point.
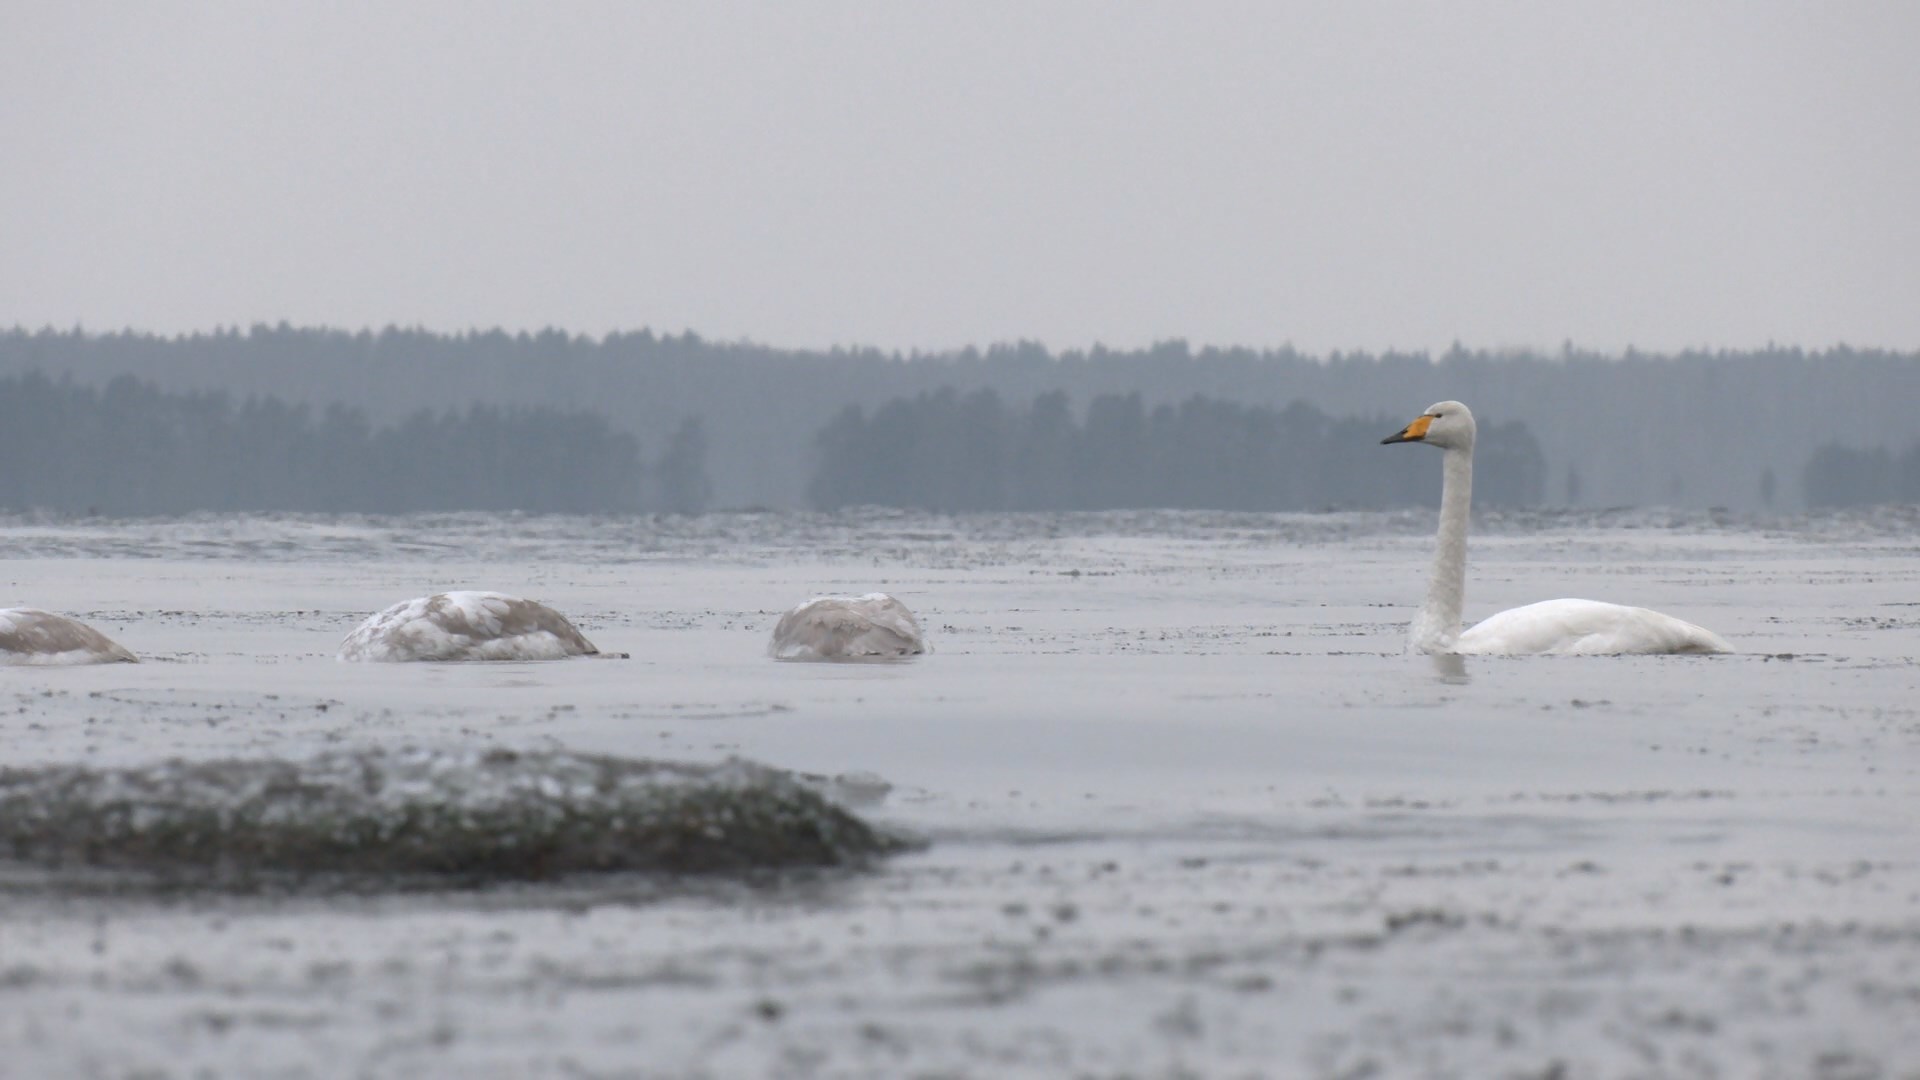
(1191, 807)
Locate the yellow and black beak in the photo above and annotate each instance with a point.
(1414, 432)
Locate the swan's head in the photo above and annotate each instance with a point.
(1447, 425)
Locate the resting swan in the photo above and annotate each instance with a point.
(466, 626)
(867, 627)
(32, 636)
(1551, 626)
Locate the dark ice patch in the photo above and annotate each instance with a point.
(390, 816)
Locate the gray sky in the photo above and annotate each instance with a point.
(926, 175)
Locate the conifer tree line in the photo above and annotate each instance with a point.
(129, 448)
(1723, 427)
(957, 452)
(1839, 475)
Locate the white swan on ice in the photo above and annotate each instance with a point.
(847, 628)
(32, 636)
(466, 626)
(1551, 626)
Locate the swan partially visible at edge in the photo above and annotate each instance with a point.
(466, 626)
(1589, 627)
(871, 627)
(32, 636)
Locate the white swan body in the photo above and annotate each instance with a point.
(1585, 628)
(847, 628)
(466, 626)
(32, 636)
(1565, 627)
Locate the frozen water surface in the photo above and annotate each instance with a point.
(1192, 809)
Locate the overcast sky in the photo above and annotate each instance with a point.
(1337, 176)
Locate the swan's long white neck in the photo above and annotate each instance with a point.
(1437, 627)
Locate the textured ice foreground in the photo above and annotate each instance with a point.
(1191, 806)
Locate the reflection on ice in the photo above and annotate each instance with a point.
(1451, 669)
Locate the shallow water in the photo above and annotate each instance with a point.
(1191, 807)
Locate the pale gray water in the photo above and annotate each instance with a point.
(1191, 807)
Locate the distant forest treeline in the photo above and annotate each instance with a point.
(945, 451)
(1843, 476)
(1694, 429)
(129, 448)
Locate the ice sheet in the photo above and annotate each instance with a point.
(1191, 804)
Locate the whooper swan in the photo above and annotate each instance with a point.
(1551, 626)
(874, 626)
(466, 626)
(32, 636)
